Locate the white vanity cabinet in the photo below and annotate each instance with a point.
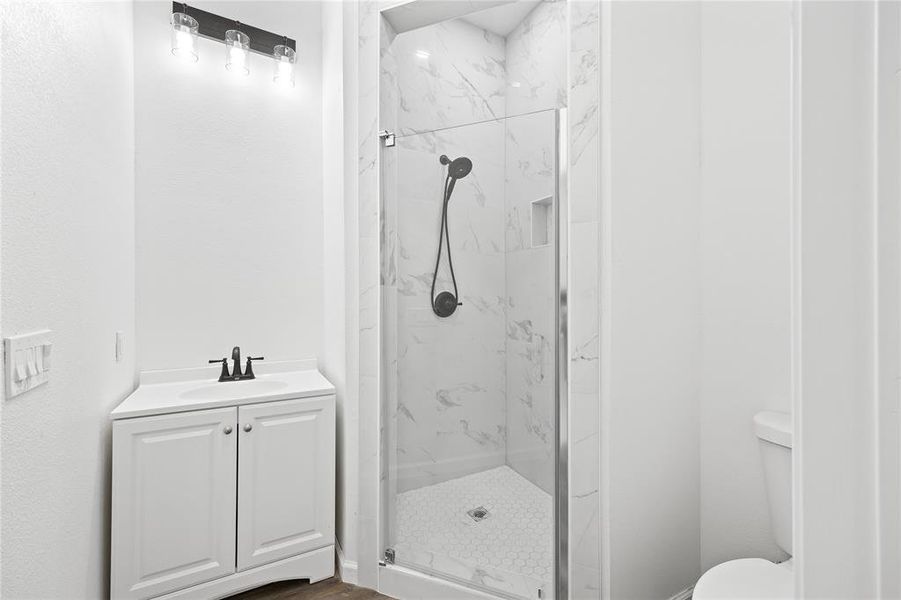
(210, 501)
(286, 475)
(174, 498)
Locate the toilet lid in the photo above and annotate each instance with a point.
(746, 579)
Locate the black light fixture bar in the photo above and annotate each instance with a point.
(213, 27)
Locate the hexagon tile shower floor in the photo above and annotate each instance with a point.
(515, 536)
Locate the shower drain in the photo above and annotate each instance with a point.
(479, 513)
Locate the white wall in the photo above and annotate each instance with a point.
(652, 343)
(68, 265)
(351, 450)
(835, 432)
(228, 194)
(889, 295)
(746, 264)
(332, 357)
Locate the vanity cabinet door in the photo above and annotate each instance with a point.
(173, 510)
(286, 479)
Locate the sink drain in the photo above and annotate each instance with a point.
(478, 514)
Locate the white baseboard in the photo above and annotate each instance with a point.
(347, 569)
(684, 594)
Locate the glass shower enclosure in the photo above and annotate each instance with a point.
(472, 395)
(473, 304)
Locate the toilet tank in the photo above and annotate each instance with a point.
(774, 430)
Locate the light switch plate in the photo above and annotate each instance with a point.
(120, 346)
(27, 361)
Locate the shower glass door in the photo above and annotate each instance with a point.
(469, 345)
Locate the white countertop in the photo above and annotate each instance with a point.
(171, 392)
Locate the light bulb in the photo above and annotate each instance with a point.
(285, 71)
(237, 59)
(284, 57)
(237, 52)
(184, 37)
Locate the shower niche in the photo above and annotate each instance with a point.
(542, 221)
(470, 398)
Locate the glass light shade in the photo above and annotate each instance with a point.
(237, 52)
(284, 57)
(184, 37)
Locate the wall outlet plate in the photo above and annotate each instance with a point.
(26, 361)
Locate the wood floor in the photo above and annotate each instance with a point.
(330, 589)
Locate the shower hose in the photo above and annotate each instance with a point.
(448, 303)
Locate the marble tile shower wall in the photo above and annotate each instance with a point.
(536, 81)
(584, 307)
(448, 74)
(536, 61)
(387, 286)
(531, 301)
(450, 372)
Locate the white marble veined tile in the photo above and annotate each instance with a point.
(530, 142)
(584, 181)
(450, 372)
(468, 572)
(536, 60)
(531, 299)
(449, 74)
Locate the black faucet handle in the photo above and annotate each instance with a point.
(248, 370)
(224, 374)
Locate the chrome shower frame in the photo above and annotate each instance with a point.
(561, 474)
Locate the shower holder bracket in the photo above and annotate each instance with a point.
(389, 556)
(388, 138)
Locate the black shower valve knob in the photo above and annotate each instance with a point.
(445, 304)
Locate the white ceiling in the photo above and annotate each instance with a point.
(502, 19)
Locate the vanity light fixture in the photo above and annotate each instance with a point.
(237, 51)
(239, 39)
(184, 34)
(284, 57)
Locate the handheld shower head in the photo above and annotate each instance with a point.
(458, 168)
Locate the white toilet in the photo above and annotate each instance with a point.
(756, 578)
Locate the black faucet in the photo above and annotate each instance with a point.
(236, 356)
(236, 374)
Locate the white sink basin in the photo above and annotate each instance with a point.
(203, 392)
(227, 390)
